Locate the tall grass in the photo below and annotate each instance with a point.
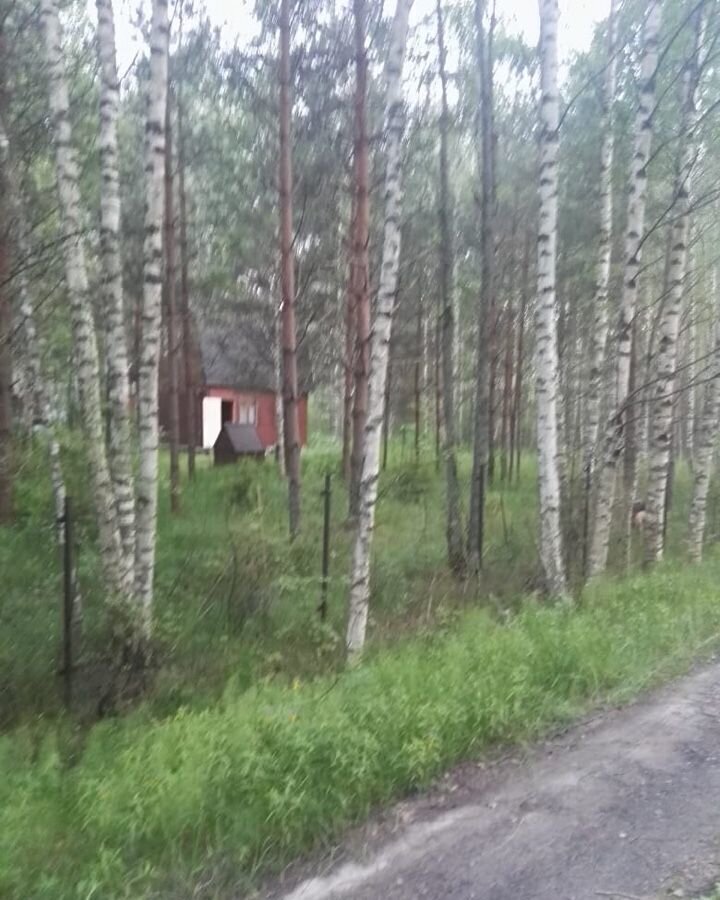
(149, 808)
(253, 743)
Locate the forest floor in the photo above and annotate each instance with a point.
(624, 805)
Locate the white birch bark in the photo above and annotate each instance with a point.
(380, 336)
(662, 393)
(634, 234)
(84, 338)
(598, 339)
(27, 338)
(147, 480)
(118, 385)
(546, 349)
(706, 441)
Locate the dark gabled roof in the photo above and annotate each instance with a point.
(243, 438)
(236, 354)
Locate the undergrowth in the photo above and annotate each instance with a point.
(253, 744)
(148, 808)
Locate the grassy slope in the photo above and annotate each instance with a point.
(251, 747)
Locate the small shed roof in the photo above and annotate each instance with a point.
(243, 438)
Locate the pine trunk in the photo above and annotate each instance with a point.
(546, 353)
(191, 388)
(147, 481)
(84, 337)
(614, 433)
(481, 441)
(394, 126)
(360, 273)
(6, 317)
(173, 340)
(291, 423)
(453, 527)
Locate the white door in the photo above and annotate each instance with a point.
(212, 420)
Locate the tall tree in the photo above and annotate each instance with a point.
(173, 342)
(147, 481)
(663, 381)
(613, 439)
(116, 354)
(187, 333)
(6, 317)
(486, 162)
(706, 438)
(546, 353)
(84, 337)
(360, 267)
(382, 330)
(291, 424)
(598, 338)
(453, 528)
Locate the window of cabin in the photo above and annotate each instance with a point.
(247, 412)
(226, 411)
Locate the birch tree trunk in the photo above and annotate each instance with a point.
(118, 385)
(635, 230)
(381, 334)
(84, 338)
(546, 354)
(481, 442)
(291, 423)
(663, 383)
(706, 440)
(147, 481)
(453, 527)
(27, 333)
(598, 339)
(173, 343)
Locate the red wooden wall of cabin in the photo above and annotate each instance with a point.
(264, 411)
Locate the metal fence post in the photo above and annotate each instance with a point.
(327, 494)
(68, 603)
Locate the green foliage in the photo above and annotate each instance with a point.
(149, 805)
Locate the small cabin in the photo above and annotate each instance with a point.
(236, 441)
(233, 383)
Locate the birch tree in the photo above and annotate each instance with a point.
(394, 124)
(25, 328)
(453, 528)
(663, 381)
(706, 439)
(116, 355)
(598, 338)
(546, 353)
(622, 338)
(84, 337)
(147, 480)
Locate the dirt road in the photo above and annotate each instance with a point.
(625, 805)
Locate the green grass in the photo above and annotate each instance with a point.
(253, 745)
(147, 807)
